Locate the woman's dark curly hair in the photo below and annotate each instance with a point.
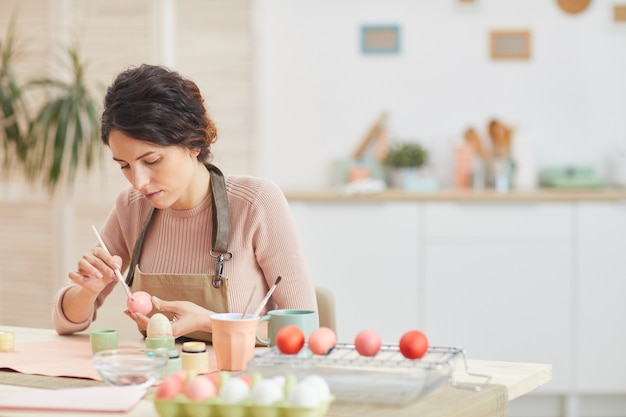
(157, 105)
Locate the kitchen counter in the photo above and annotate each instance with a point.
(540, 194)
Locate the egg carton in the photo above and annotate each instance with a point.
(386, 378)
(183, 407)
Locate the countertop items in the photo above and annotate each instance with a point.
(573, 178)
(509, 381)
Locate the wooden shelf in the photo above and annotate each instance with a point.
(609, 194)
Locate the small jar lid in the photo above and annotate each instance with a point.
(194, 347)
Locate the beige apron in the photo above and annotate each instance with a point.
(207, 290)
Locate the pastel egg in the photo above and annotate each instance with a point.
(280, 380)
(266, 392)
(304, 395)
(234, 390)
(367, 343)
(169, 388)
(319, 384)
(159, 326)
(141, 302)
(322, 340)
(200, 388)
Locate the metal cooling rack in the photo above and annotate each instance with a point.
(387, 377)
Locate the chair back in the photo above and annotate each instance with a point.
(326, 308)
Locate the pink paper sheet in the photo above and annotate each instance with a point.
(104, 399)
(54, 358)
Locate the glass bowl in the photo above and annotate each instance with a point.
(137, 367)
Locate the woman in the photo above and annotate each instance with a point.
(182, 230)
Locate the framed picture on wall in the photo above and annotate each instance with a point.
(380, 39)
(510, 44)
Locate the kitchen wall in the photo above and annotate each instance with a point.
(291, 91)
(318, 94)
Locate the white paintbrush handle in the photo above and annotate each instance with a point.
(118, 274)
(267, 297)
(264, 301)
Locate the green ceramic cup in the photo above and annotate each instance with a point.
(306, 320)
(103, 339)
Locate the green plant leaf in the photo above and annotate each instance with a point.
(52, 141)
(406, 154)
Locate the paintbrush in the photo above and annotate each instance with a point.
(118, 274)
(267, 297)
(245, 310)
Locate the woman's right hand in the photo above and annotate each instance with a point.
(96, 270)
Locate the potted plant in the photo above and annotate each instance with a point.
(12, 105)
(52, 140)
(404, 161)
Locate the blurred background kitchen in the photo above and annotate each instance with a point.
(311, 93)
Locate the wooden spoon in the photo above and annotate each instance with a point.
(472, 138)
(500, 138)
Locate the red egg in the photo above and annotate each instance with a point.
(322, 340)
(141, 302)
(413, 344)
(290, 339)
(367, 343)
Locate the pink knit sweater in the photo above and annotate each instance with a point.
(263, 240)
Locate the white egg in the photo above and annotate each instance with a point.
(321, 386)
(266, 392)
(159, 326)
(280, 380)
(304, 395)
(234, 390)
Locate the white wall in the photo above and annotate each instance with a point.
(318, 94)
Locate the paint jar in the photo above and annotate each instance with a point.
(195, 357)
(7, 341)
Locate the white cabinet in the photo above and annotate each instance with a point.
(529, 281)
(601, 317)
(497, 281)
(367, 254)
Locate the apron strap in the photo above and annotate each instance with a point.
(221, 225)
(137, 249)
(221, 213)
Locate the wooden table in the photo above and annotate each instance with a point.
(508, 378)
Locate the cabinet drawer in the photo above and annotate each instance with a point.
(499, 221)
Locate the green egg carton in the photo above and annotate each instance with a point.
(182, 406)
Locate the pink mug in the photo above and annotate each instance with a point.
(234, 339)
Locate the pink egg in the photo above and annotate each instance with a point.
(181, 375)
(141, 302)
(200, 388)
(367, 343)
(169, 388)
(322, 341)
